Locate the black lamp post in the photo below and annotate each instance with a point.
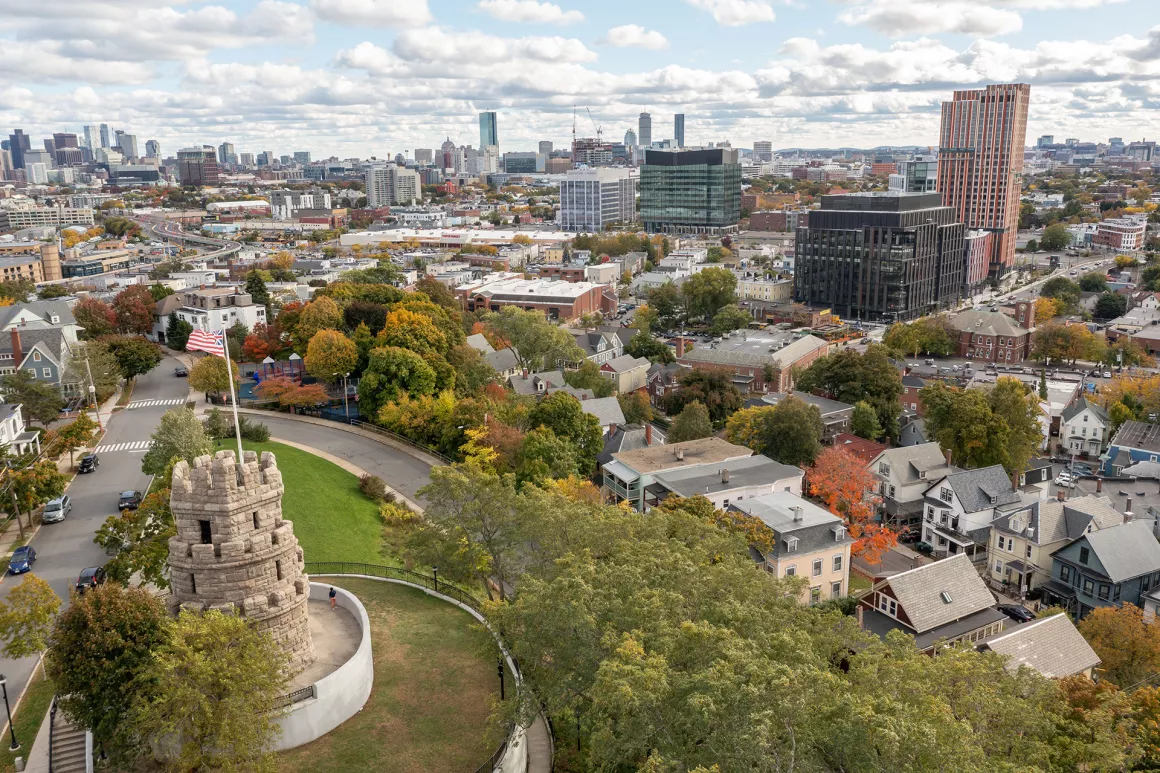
(435, 571)
(8, 709)
(502, 697)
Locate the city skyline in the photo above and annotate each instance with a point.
(359, 78)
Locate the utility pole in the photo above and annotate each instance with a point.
(93, 394)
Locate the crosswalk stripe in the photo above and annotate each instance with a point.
(132, 446)
(152, 403)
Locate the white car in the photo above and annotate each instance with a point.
(1063, 480)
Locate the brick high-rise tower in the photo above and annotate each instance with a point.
(233, 551)
(980, 163)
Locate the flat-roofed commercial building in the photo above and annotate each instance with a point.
(690, 191)
(591, 199)
(556, 300)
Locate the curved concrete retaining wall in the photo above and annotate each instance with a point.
(515, 759)
(338, 696)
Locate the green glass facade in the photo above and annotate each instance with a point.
(690, 191)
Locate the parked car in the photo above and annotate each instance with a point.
(180, 371)
(89, 463)
(22, 560)
(129, 500)
(56, 510)
(1019, 614)
(90, 578)
(1107, 374)
(924, 547)
(1063, 480)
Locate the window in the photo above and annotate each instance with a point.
(998, 567)
(36, 356)
(791, 570)
(892, 491)
(946, 495)
(1105, 590)
(817, 568)
(1002, 543)
(206, 536)
(791, 544)
(835, 590)
(884, 468)
(1029, 551)
(255, 519)
(1084, 553)
(838, 563)
(46, 372)
(278, 569)
(815, 594)
(1065, 573)
(1089, 586)
(1116, 593)
(192, 584)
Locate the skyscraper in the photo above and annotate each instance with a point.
(105, 136)
(225, 153)
(679, 129)
(690, 191)
(630, 139)
(92, 137)
(980, 163)
(878, 256)
(644, 127)
(128, 145)
(545, 147)
(302, 157)
(152, 149)
(488, 131)
(18, 144)
(763, 150)
(198, 166)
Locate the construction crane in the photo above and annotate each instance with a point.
(590, 118)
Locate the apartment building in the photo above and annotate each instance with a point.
(904, 474)
(629, 473)
(19, 217)
(218, 308)
(1121, 233)
(591, 199)
(807, 542)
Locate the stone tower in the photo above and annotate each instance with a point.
(233, 551)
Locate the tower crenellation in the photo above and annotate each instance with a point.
(233, 551)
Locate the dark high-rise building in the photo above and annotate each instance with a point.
(198, 166)
(980, 163)
(488, 130)
(60, 140)
(690, 191)
(68, 156)
(679, 130)
(18, 143)
(880, 256)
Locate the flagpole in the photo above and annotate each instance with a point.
(233, 399)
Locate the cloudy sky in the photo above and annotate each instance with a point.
(376, 77)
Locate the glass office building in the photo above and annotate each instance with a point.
(690, 191)
(488, 130)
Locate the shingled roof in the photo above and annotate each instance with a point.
(940, 593)
(1052, 646)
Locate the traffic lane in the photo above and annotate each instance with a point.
(160, 383)
(400, 471)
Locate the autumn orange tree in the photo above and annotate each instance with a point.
(846, 486)
(1128, 646)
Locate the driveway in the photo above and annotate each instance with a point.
(64, 548)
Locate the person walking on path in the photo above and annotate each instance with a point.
(333, 598)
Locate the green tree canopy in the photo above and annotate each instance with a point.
(180, 435)
(985, 427)
(40, 400)
(790, 432)
(1055, 237)
(1093, 282)
(864, 421)
(692, 424)
(708, 291)
(730, 318)
(177, 332)
(135, 355)
(1110, 306)
(712, 388)
(654, 350)
(329, 355)
(588, 376)
(564, 415)
(537, 344)
(852, 377)
(390, 371)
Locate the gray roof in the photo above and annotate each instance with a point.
(529, 385)
(479, 342)
(913, 381)
(1052, 646)
(912, 461)
(627, 362)
(503, 360)
(983, 488)
(624, 438)
(42, 309)
(920, 592)
(743, 473)
(988, 323)
(1078, 407)
(51, 339)
(605, 409)
(783, 357)
(1138, 434)
(825, 405)
(1053, 520)
(818, 528)
(1125, 551)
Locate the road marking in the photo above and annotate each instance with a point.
(133, 446)
(151, 403)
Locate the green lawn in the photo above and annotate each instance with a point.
(27, 721)
(428, 710)
(332, 519)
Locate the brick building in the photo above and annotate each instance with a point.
(992, 336)
(556, 300)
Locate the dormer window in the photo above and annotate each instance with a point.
(791, 544)
(839, 533)
(994, 500)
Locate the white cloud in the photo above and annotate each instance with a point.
(376, 13)
(907, 18)
(529, 12)
(635, 36)
(734, 13)
(433, 44)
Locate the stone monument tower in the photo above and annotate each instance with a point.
(233, 551)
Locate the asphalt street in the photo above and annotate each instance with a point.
(64, 549)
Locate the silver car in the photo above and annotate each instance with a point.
(56, 510)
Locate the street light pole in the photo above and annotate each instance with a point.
(8, 709)
(93, 394)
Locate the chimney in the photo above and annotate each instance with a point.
(1099, 485)
(724, 475)
(797, 514)
(1128, 510)
(1015, 481)
(17, 350)
(680, 347)
(1060, 495)
(858, 616)
(647, 433)
(947, 454)
(680, 452)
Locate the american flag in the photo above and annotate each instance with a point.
(203, 341)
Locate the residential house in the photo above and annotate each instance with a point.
(725, 483)
(1022, 541)
(866, 450)
(913, 432)
(41, 315)
(910, 399)
(606, 410)
(662, 379)
(14, 435)
(835, 414)
(960, 508)
(630, 472)
(808, 542)
(161, 311)
(1084, 428)
(598, 347)
(220, 308)
(624, 437)
(1105, 568)
(1053, 646)
(42, 350)
(904, 474)
(1135, 441)
(539, 384)
(503, 361)
(628, 373)
(945, 601)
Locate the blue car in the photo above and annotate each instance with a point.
(22, 560)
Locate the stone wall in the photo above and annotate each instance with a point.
(234, 552)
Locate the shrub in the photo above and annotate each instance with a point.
(373, 487)
(254, 431)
